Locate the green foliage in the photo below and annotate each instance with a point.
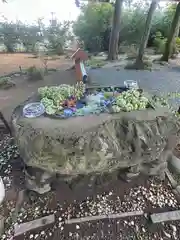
(178, 44)
(134, 18)
(93, 22)
(53, 37)
(9, 35)
(29, 36)
(57, 35)
(129, 101)
(166, 18)
(6, 83)
(12, 34)
(133, 21)
(53, 98)
(95, 63)
(35, 74)
(159, 43)
(92, 27)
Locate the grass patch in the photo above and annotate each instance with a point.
(6, 83)
(95, 63)
(34, 56)
(52, 70)
(144, 65)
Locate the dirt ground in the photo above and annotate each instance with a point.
(11, 62)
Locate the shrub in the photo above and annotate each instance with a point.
(35, 73)
(159, 43)
(6, 83)
(178, 44)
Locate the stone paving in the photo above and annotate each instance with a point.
(162, 81)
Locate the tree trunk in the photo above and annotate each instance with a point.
(177, 30)
(174, 49)
(146, 33)
(114, 38)
(172, 35)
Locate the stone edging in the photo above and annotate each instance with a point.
(172, 181)
(174, 184)
(101, 217)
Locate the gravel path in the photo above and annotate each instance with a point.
(162, 81)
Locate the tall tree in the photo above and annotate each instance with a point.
(114, 38)
(172, 34)
(78, 2)
(139, 60)
(9, 35)
(93, 26)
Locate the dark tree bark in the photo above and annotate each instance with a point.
(114, 38)
(5, 123)
(172, 35)
(147, 29)
(177, 30)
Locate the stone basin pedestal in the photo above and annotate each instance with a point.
(138, 141)
(37, 180)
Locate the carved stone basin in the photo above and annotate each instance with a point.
(137, 141)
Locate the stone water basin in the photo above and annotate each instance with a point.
(137, 141)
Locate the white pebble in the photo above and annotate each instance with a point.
(70, 234)
(132, 223)
(173, 228)
(167, 234)
(77, 227)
